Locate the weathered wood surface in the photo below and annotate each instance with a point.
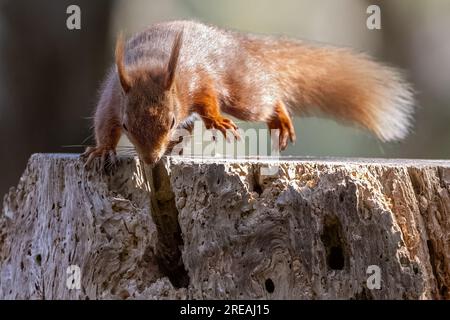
(308, 232)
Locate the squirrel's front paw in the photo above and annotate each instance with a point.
(223, 124)
(108, 158)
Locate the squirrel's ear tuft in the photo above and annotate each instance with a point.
(124, 78)
(172, 66)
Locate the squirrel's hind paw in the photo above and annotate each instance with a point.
(282, 122)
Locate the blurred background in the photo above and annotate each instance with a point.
(49, 75)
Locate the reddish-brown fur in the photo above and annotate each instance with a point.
(173, 70)
(206, 105)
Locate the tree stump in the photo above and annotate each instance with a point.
(225, 229)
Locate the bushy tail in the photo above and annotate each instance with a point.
(343, 84)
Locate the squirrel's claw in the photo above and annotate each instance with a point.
(281, 121)
(113, 158)
(224, 125)
(286, 133)
(108, 158)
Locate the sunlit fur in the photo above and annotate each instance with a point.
(248, 76)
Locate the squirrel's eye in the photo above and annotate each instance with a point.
(124, 126)
(173, 123)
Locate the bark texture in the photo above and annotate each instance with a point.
(308, 229)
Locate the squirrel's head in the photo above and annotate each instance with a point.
(150, 102)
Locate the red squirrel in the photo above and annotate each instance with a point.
(170, 71)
